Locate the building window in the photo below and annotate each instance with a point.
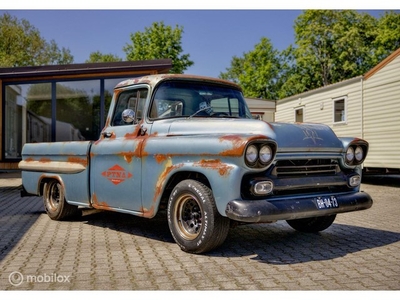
(54, 111)
(299, 115)
(339, 113)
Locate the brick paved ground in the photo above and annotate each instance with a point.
(108, 251)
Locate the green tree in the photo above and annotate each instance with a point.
(387, 35)
(97, 56)
(334, 45)
(159, 42)
(257, 71)
(22, 45)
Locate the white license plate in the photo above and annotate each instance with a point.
(326, 202)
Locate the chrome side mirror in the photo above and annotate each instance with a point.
(128, 116)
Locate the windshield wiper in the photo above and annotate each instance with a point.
(200, 110)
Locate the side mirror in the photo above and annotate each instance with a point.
(128, 116)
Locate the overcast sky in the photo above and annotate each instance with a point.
(211, 37)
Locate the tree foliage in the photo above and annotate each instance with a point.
(330, 46)
(256, 70)
(159, 42)
(97, 56)
(22, 45)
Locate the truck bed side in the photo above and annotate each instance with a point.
(67, 162)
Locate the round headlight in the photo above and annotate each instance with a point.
(251, 154)
(350, 154)
(265, 154)
(359, 153)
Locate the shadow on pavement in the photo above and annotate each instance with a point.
(156, 228)
(383, 180)
(282, 245)
(268, 243)
(17, 216)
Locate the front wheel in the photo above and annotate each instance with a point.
(193, 218)
(54, 202)
(314, 224)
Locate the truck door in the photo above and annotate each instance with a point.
(116, 163)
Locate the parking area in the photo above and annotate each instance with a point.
(109, 251)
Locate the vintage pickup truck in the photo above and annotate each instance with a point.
(189, 145)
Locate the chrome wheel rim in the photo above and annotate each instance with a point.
(188, 217)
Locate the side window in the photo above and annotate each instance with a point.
(132, 99)
(339, 110)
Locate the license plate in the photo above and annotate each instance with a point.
(327, 202)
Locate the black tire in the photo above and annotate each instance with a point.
(193, 218)
(315, 224)
(54, 202)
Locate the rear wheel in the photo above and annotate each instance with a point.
(193, 218)
(54, 202)
(315, 224)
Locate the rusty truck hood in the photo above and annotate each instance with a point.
(303, 137)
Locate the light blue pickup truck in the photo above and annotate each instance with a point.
(189, 145)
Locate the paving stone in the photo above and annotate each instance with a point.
(108, 251)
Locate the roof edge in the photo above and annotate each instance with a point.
(323, 88)
(31, 71)
(382, 64)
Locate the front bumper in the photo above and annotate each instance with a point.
(260, 211)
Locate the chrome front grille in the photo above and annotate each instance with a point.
(305, 167)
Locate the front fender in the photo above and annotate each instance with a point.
(224, 179)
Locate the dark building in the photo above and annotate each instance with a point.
(60, 102)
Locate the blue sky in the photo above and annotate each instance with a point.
(211, 37)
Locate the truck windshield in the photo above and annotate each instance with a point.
(197, 99)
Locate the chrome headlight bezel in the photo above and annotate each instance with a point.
(355, 153)
(260, 154)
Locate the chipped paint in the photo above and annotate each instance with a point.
(77, 160)
(52, 166)
(153, 80)
(238, 144)
(160, 158)
(100, 205)
(168, 168)
(214, 164)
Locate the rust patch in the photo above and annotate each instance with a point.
(238, 145)
(128, 155)
(163, 177)
(148, 213)
(160, 158)
(133, 134)
(44, 160)
(77, 160)
(214, 164)
(99, 205)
